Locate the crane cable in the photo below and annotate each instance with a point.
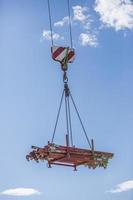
(69, 23)
(87, 138)
(57, 118)
(70, 122)
(50, 23)
(67, 105)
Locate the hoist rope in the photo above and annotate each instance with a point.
(70, 23)
(57, 118)
(80, 121)
(50, 23)
(67, 105)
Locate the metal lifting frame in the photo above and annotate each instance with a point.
(69, 155)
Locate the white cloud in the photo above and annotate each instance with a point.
(62, 22)
(122, 187)
(20, 192)
(47, 35)
(87, 39)
(80, 14)
(115, 13)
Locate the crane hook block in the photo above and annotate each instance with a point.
(64, 55)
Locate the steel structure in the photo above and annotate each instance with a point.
(69, 156)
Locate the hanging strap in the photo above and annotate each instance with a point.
(65, 60)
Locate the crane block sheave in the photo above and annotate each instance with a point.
(64, 55)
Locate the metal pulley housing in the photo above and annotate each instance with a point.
(64, 55)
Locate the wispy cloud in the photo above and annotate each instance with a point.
(115, 13)
(47, 35)
(87, 39)
(20, 192)
(80, 16)
(79, 13)
(122, 187)
(62, 22)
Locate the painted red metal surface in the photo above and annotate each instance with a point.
(63, 55)
(69, 156)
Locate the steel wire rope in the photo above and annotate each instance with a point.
(50, 23)
(67, 121)
(57, 118)
(70, 23)
(70, 122)
(80, 121)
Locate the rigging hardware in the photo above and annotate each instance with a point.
(68, 155)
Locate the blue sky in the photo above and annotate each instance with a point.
(30, 88)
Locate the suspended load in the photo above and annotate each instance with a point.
(68, 155)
